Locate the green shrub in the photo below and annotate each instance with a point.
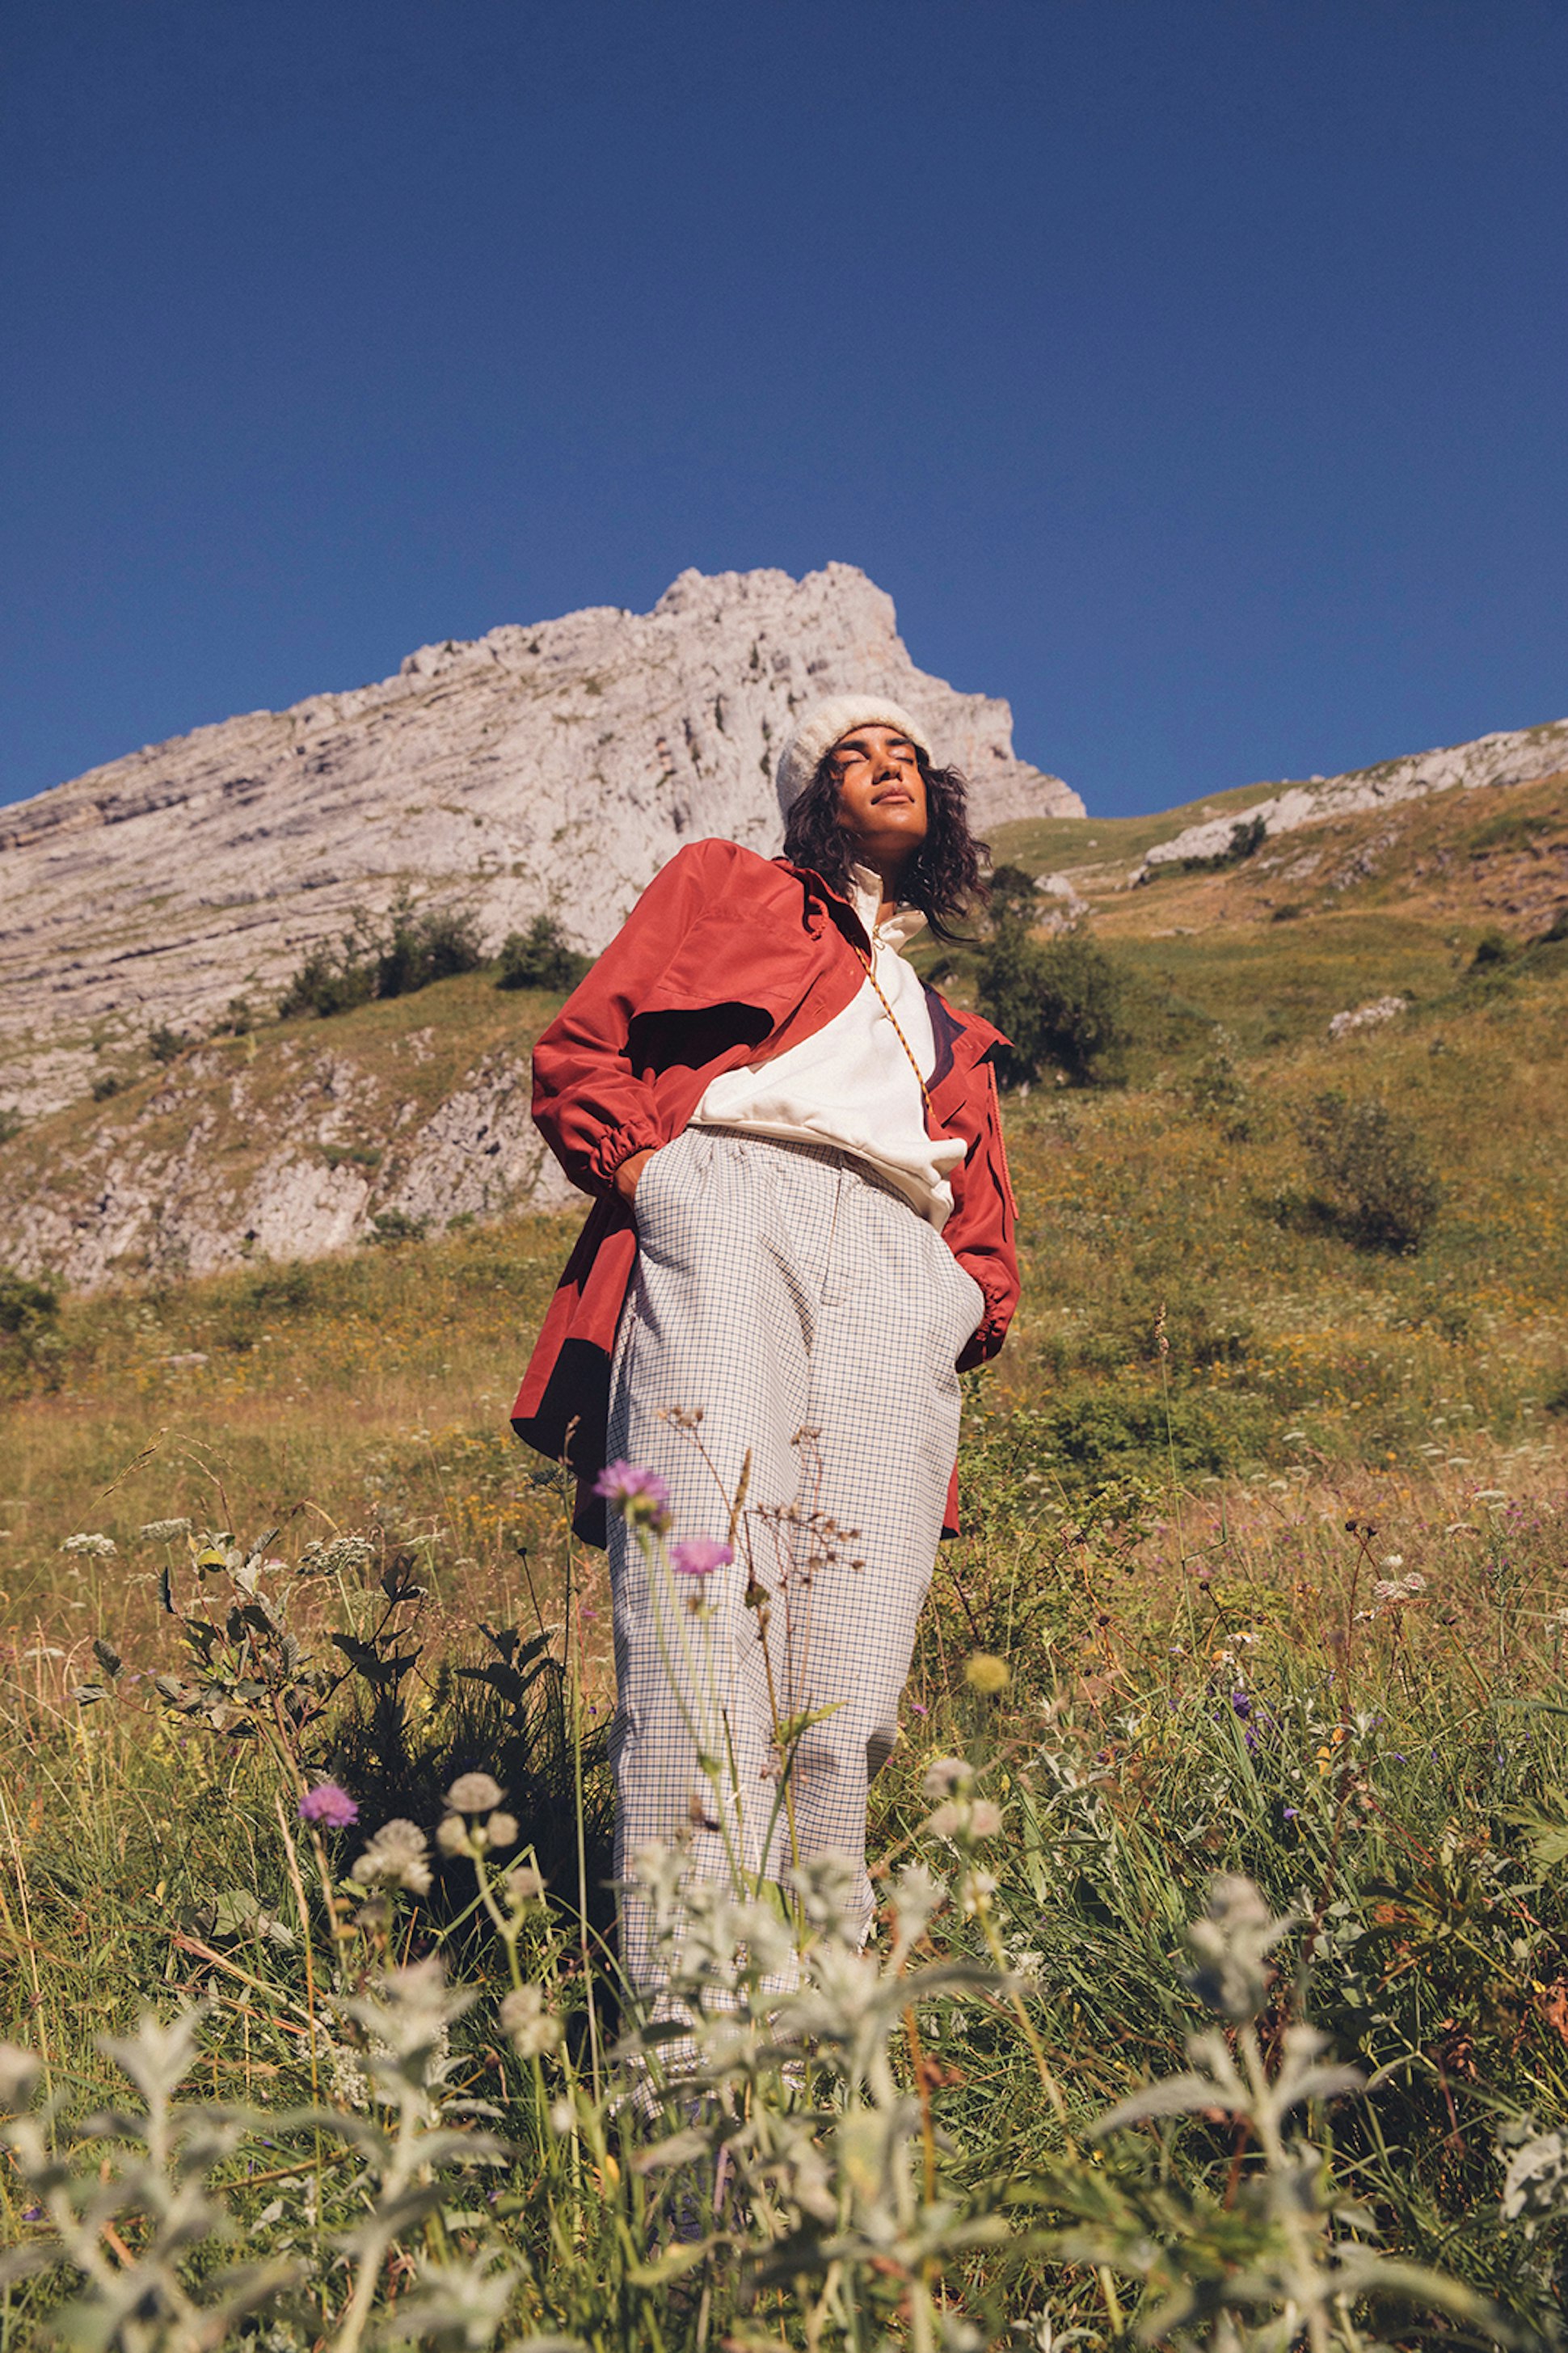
(1218, 1094)
(30, 1313)
(27, 1303)
(1383, 1191)
(1059, 1001)
(1097, 1430)
(417, 948)
(539, 957)
(1493, 947)
(393, 1227)
(107, 1083)
(331, 980)
(166, 1045)
(11, 1123)
(282, 1290)
(1012, 893)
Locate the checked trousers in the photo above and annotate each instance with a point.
(810, 1318)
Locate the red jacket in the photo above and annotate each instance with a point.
(726, 959)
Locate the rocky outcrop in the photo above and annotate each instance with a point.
(305, 1150)
(552, 766)
(1517, 759)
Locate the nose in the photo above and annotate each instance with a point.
(887, 763)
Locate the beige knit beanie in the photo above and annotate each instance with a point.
(816, 731)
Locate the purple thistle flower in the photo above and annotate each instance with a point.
(329, 1805)
(636, 1493)
(699, 1557)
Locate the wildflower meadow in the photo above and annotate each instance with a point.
(1217, 1993)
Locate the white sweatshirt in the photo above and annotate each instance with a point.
(851, 1084)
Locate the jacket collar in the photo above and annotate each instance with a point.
(961, 1038)
(833, 901)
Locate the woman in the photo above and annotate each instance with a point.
(804, 1230)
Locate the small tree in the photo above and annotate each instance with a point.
(29, 1314)
(540, 958)
(1383, 1189)
(1013, 894)
(166, 1045)
(331, 980)
(418, 948)
(422, 947)
(1059, 1001)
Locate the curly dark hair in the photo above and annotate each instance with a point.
(945, 878)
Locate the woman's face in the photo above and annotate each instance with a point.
(881, 793)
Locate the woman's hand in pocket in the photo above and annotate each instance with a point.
(627, 1174)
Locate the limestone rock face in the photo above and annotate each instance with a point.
(1511, 759)
(553, 766)
(225, 1163)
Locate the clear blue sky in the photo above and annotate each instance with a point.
(1192, 372)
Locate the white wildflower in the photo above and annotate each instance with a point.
(975, 1890)
(474, 1793)
(916, 1894)
(347, 2083)
(965, 1817)
(946, 1774)
(165, 1530)
(95, 1547)
(533, 2028)
(397, 1856)
(340, 1556)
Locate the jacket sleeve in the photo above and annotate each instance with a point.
(593, 1108)
(982, 1232)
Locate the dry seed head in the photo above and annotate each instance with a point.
(397, 1856)
(474, 1793)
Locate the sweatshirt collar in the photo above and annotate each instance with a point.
(864, 895)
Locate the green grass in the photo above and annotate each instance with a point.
(1049, 844)
(1219, 1426)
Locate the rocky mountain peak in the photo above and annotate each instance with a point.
(553, 766)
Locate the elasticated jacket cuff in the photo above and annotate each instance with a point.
(619, 1144)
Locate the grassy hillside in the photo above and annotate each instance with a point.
(1266, 1538)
